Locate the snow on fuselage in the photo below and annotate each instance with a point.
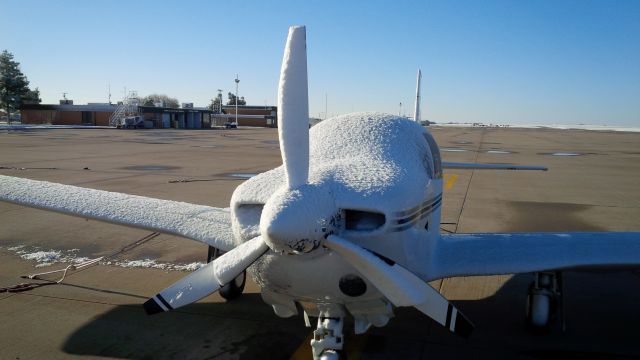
(373, 180)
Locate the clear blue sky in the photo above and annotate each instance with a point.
(543, 62)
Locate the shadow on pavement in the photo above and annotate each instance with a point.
(244, 329)
(602, 322)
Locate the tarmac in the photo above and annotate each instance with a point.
(593, 184)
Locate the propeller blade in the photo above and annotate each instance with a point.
(207, 279)
(401, 286)
(293, 108)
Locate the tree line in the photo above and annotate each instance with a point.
(14, 86)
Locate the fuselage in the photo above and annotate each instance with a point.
(374, 179)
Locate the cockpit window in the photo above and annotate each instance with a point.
(358, 220)
(435, 156)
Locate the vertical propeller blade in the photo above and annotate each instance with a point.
(207, 279)
(293, 108)
(416, 113)
(400, 286)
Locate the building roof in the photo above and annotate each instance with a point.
(251, 107)
(90, 107)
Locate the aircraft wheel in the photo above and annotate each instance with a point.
(233, 290)
(538, 311)
(330, 355)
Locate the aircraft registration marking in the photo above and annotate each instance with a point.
(450, 179)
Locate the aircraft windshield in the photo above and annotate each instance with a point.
(435, 156)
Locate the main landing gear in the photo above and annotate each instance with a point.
(232, 290)
(543, 301)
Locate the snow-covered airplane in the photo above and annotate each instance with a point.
(347, 226)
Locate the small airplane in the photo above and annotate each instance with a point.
(349, 225)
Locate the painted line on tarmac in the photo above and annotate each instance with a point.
(450, 180)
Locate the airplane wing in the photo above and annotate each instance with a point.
(206, 224)
(457, 165)
(509, 253)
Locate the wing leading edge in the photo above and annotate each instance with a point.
(509, 253)
(206, 224)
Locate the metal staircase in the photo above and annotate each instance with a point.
(128, 107)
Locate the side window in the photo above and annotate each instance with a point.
(435, 155)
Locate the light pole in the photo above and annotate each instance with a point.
(325, 106)
(237, 81)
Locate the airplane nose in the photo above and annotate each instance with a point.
(296, 221)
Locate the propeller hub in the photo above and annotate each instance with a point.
(297, 221)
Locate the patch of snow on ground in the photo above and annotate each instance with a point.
(189, 267)
(50, 257)
(43, 258)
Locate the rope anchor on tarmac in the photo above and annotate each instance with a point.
(73, 268)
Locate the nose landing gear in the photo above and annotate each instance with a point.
(327, 340)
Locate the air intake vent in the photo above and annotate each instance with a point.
(357, 220)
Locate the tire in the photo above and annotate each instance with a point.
(233, 290)
(538, 312)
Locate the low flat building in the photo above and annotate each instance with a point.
(248, 115)
(91, 115)
(155, 117)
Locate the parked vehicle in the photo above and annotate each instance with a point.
(131, 122)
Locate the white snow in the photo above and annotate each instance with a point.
(202, 223)
(363, 160)
(230, 264)
(43, 257)
(50, 257)
(154, 264)
(293, 108)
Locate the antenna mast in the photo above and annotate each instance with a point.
(416, 114)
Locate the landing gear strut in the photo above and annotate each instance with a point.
(234, 289)
(328, 340)
(545, 296)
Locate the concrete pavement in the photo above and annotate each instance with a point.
(97, 312)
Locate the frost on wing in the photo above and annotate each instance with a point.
(198, 222)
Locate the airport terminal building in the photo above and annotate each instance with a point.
(186, 117)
